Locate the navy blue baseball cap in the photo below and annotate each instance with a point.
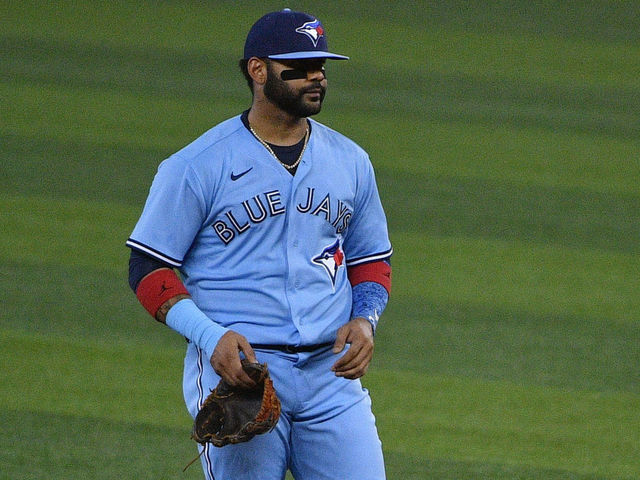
(288, 35)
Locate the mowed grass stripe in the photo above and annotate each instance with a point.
(516, 275)
(503, 423)
(612, 23)
(410, 467)
(191, 74)
(81, 303)
(526, 348)
(551, 71)
(121, 22)
(107, 118)
(571, 59)
(588, 105)
(41, 444)
(543, 279)
(439, 205)
(434, 336)
(448, 418)
(72, 233)
(137, 383)
(523, 155)
(449, 206)
(73, 447)
(103, 120)
(84, 170)
(488, 308)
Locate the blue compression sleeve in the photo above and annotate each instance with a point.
(188, 320)
(140, 265)
(369, 301)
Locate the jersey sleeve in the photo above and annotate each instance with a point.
(367, 238)
(173, 213)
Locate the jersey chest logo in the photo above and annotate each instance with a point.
(331, 259)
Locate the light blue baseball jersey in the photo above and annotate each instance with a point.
(263, 252)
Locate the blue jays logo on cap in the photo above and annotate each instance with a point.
(285, 35)
(313, 30)
(331, 259)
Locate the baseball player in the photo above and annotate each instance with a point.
(265, 239)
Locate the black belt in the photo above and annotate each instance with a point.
(292, 348)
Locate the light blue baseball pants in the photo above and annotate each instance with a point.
(326, 430)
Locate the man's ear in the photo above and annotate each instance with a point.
(257, 69)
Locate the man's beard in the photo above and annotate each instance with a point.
(278, 92)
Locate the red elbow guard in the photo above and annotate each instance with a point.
(158, 287)
(378, 272)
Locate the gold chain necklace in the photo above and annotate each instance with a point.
(270, 150)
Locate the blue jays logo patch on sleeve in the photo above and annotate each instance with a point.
(313, 30)
(331, 259)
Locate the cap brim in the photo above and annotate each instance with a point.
(309, 54)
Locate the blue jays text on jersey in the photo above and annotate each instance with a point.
(268, 204)
(260, 251)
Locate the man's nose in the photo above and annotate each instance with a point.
(316, 75)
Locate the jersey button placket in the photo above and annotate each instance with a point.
(291, 284)
(293, 231)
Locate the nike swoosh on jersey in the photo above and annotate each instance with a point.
(236, 177)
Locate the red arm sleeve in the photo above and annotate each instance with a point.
(378, 272)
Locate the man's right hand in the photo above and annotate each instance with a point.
(226, 359)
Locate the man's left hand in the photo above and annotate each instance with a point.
(355, 363)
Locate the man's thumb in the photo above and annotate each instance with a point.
(341, 340)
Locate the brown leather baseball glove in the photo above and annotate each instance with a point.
(234, 415)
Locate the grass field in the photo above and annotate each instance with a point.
(506, 140)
